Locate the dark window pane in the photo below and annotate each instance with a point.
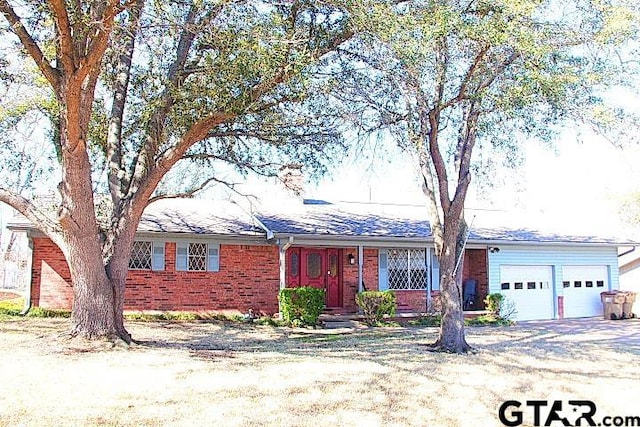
(577, 284)
(197, 256)
(588, 284)
(333, 265)
(140, 256)
(314, 265)
(294, 267)
(531, 285)
(504, 286)
(599, 283)
(517, 285)
(566, 284)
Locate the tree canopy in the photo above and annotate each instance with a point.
(130, 89)
(449, 79)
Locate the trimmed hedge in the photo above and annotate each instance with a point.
(301, 306)
(375, 305)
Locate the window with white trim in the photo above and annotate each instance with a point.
(197, 256)
(147, 255)
(407, 269)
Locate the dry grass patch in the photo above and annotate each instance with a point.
(241, 375)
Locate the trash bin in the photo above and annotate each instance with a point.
(627, 305)
(612, 305)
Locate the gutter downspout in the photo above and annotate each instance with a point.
(260, 224)
(282, 252)
(627, 252)
(27, 293)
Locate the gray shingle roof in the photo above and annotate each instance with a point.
(318, 218)
(506, 234)
(198, 217)
(352, 220)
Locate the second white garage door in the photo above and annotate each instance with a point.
(581, 286)
(530, 289)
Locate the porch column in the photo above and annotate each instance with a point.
(282, 259)
(360, 263)
(429, 280)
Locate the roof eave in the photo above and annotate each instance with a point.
(496, 242)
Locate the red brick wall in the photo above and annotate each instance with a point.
(349, 280)
(475, 267)
(370, 269)
(248, 279)
(350, 275)
(49, 267)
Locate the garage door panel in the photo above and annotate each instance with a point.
(581, 288)
(529, 288)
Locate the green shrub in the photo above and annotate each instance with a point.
(301, 306)
(375, 305)
(500, 311)
(493, 303)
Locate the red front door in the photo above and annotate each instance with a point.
(333, 278)
(313, 267)
(319, 268)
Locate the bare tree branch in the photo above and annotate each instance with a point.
(117, 176)
(51, 74)
(64, 36)
(39, 219)
(98, 44)
(192, 192)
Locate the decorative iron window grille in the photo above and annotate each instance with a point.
(198, 256)
(140, 256)
(407, 269)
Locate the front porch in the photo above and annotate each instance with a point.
(411, 272)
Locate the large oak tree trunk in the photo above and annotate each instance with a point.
(452, 337)
(98, 301)
(97, 306)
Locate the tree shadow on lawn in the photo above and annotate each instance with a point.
(580, 335)
(553, 342)
(372, 343)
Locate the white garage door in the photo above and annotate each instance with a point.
(530, 289)
(581, 286)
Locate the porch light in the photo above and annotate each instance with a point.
(493, 249)
(352, 259)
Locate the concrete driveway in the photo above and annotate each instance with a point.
(590, 329)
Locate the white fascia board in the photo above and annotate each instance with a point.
(486, 243)
(258, 240)
(352, 241)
